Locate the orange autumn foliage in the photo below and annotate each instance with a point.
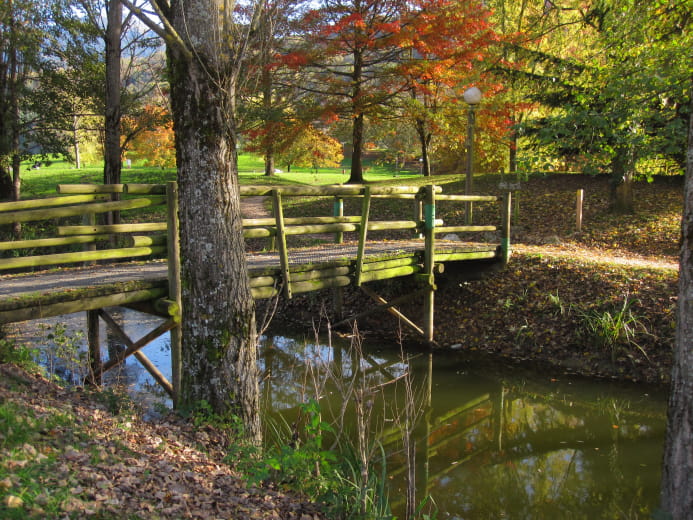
(152, 138)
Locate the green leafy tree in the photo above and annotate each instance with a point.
(625, 100)
(22, 33)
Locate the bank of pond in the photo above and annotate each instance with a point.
(489, 441)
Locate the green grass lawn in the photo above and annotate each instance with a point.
(42, 182)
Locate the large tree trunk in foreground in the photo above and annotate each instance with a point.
(677, 474)
(218, 322)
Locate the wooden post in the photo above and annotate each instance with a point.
(93, 340)
(338, 292)
(516, 207)
(338, 211)
(281, 242)
(174, 287)
(578, 210)
(418, 214)
(505, 230)
(363, 233)
(429, 240)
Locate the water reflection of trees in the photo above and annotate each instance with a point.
(495, 448)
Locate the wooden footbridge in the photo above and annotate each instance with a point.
(79, 265)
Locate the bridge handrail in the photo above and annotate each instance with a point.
(90, 199)
(86, 201)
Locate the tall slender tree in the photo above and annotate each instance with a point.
(21, 36)
(112, 106)
(677, 473)
(207, 44)
(350, 47)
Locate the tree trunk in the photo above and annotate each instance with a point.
(112, 155)
(6, 186)
(621, 197)
(269, 162)
(425, 140)
(219, 363)
(75, 141)
(512, 155)
(356, 175)
(267, 106)
(677, 473)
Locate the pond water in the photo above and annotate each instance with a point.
(491, 441)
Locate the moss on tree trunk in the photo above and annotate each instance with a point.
(218, 316)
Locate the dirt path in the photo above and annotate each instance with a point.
(254, 207)
(598, 256)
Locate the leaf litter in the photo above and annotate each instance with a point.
(124, 467)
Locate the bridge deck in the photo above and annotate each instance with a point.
(65, 290)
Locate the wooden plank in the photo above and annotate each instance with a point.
(386, 274)
(389, 264)
(338, 212)
(42, 290)
(463, 229)
(94, 344)
(317, 274)
(90, 188)
(262, 293)
(468, 198)
(51, 242)
(317, 285)
(327, 190)
(263, 281)
(458, 256)
(23, 262)
(83, 304)
(259, 232)
(299, 221)
(49, 202)
(505, 232)
(132, 347)
(112, 228)
(30, 215)
(146, 240)
(320, 228)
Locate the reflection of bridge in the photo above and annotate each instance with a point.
(474, 431)
(151, 286)
(538, 433)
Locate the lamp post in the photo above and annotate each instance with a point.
(472, 97)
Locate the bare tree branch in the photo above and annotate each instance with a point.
(167, 32)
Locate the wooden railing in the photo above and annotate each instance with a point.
(142, 240)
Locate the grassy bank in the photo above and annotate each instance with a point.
(67, 453)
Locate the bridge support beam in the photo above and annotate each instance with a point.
(429, 195)
(94, 343)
